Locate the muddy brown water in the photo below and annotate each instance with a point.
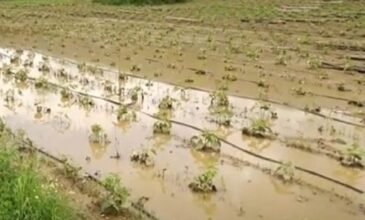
(243, 191)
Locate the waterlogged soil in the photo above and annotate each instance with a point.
(281, 44)
(244, 190)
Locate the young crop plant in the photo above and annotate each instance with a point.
(204, 182)
(135, 93)
(123, 114)
(259, 128)
(113, 202)
(166, 103)
(66, 94)
(285, 172)
(206, 141)
(98, 135)
(41, 83)
(219, 99)
(353, 156)
(144, 157)
(162, 127)
(21, 76)
(221, 115)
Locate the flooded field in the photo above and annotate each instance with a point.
(205, 109)
(57, 101)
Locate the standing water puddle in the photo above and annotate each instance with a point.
(63, 128)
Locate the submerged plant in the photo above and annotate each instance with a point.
(144, 157)
(204, 182)
(124, 115)
(206, 142)
(114, 201)
(353, 156)
(98, 135)
(285, 171)
(162, 127)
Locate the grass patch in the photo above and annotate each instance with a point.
(24, 193)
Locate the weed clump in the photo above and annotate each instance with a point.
(25, 194)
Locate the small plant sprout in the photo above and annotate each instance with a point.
(162, 127)
(285, 172)
(114, 200)
(9, 96)
(206, 142)
(71, 171)
(86, 102)
(21, 76)
(65, 94)
(44, 68)
(219, 99)
(204, 182)
(98, 135)
(230, 77)
(7, 71)
(135, 93)
(262, 83)
(166, 103)
(144, 157)
(259, 128)
(299, 91)
(314, 63)
(124, 115)
(221, 115)
(41, 83)
(122, 76)
(353, 156)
